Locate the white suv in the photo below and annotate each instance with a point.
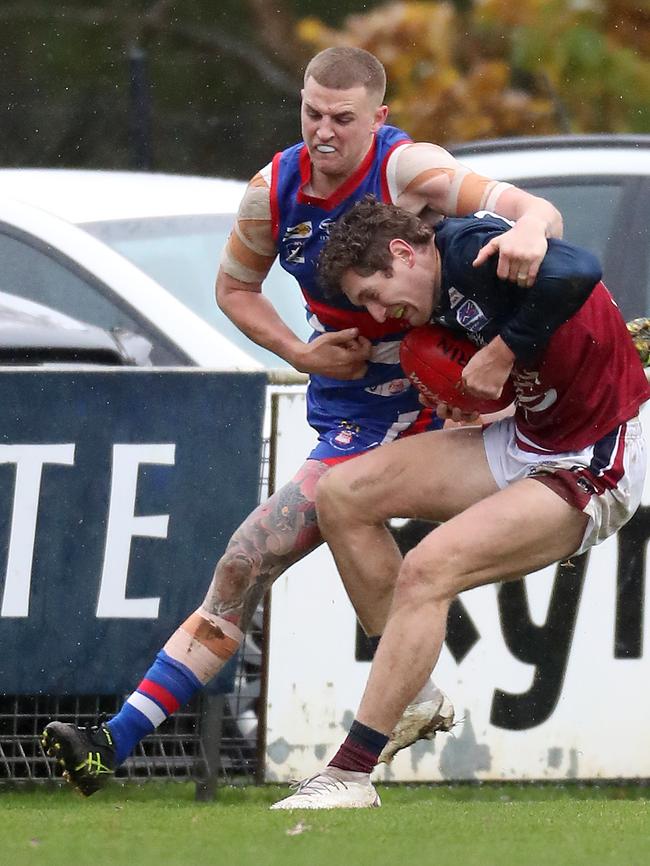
(133, 251)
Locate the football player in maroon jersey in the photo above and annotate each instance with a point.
(562, 473)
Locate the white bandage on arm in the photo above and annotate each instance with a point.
(250, 249)
(429, 173)
(493, 194)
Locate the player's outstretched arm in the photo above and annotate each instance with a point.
(427, 176)
(254, 315)
(245, 263)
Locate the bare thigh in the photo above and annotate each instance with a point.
(432, 476)
(517, 530)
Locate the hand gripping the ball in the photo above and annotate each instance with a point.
(433, 358)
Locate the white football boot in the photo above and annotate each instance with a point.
(420, 721)
(333, 789)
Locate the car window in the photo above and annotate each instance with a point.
(594, 212)
(600, 215)
(589, 210)
(35, 274)
(182, 254)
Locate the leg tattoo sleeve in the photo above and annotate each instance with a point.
(278, 533)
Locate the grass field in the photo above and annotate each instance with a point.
(455, 826)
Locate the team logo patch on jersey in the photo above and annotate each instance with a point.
(389, 389)
(471, 316)
(455, 297)
(302, 230)
(325, 227)
(344, 439)
(295, 252)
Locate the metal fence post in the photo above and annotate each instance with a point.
(140, 110)
(211, 729)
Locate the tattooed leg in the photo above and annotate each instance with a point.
(276, 535)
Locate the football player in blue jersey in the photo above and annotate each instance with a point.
(358, 397)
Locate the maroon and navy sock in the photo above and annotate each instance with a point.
(360, 750)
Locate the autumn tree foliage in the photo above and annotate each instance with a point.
(216, 86)
(488, 68)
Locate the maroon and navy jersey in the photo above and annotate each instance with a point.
(577, 375)
(588, 381)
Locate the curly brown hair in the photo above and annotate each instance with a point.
(360, 239)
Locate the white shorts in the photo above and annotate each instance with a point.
(604, 480)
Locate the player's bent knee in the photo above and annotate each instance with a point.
(415, 579)
(420, 581)
(333, 501)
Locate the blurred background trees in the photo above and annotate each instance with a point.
(467, 70)
(206, 88)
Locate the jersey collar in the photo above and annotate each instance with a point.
(342, 192)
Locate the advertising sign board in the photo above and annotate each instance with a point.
(548, 675)
(119, 489)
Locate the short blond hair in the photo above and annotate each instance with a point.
(344, 67)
